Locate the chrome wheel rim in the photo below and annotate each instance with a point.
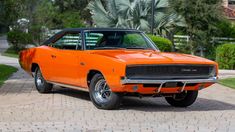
(39, 79)
(102, 91)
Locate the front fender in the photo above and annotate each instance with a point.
(111, 68)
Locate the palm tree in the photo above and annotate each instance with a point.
(134, 14)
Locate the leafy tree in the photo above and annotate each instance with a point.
(56, 19)
(133, 14)
(226, 28)
(9, 12)
(71, 19)
(42, 15)
(74, 5)
(201, 17)
(29, 8)
(47, 15)
(13, 10)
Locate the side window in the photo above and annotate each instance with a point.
(92, 39)
(70, 41)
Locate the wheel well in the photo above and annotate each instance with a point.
(90, 75)
(33, 67)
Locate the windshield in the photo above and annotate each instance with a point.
(95, 40)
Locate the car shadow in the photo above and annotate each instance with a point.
(159, 104)
(72, 93)
(150, 104)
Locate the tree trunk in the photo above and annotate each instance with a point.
(191, 39)
(191, 48)
(201, 51)
(191, 44)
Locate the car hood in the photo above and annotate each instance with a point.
(151, 57)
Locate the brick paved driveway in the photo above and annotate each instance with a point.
(22, 108)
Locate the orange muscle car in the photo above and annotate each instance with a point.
(111, 63)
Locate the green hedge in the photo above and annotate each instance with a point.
(225, 56)
(162, 43)
(19, 39)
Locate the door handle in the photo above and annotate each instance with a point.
(53, 56)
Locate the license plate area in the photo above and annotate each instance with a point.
(170, 84)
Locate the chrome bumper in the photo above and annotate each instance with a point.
(141, 81)
(161, 82)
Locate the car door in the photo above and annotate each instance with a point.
(65, 58)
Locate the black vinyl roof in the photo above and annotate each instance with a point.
(99, 29)
(57, 35)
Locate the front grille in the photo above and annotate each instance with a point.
(169, 71)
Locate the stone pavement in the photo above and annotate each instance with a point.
(22, 108)
(226, 74)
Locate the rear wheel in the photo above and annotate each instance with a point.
(101, 95)
(41, 84)
(183, 99)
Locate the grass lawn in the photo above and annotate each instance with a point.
(6, 72)
(229, 82)
(10, 53)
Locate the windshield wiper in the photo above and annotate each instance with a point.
(136, 48)
(121, 48)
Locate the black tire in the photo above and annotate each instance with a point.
(110, 101)
(183, 99)
(41, 84)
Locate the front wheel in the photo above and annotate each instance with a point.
(101, 95)
(183, 99)
(41, 84)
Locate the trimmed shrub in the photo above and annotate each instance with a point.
(225, 56)
(162, 43)
(19, 39)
